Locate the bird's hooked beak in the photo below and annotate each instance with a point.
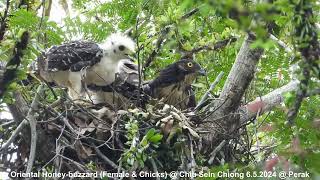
(130, 58)
(131, 55)
(202, 72)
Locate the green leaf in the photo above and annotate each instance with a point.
(289, 99)
(156, 138)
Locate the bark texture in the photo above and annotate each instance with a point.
(223, 121)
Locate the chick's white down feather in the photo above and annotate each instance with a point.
(114, 41)
(116, 100)
(115, 48)
(81, 62)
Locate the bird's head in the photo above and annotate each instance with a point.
(184, 71)
(119, 46)
(188, 67)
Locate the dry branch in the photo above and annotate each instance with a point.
(281, 43)
(14, 134)
(154, 166)
(216, 150)
(266, 102)
(218, 45)
(223, 119)
(240, 76)
(105, 158)
(6, 124)
(33, 126)
(207, 94)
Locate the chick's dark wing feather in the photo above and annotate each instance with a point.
(127, 81)
(128, 72)
(73, 56)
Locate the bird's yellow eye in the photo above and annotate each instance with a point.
(189, 64)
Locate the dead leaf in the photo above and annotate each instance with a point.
(90, 128)
(83, 151)
(166, 129)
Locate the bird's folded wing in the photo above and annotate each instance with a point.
(128, 72)
(72, 56)
(127, 81)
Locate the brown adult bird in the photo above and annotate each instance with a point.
(173, 84)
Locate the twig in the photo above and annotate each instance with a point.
(105, 158)
(193, 162)
(217, 119)
(255, 151)
(281, 43)
(211, 111)
(57, 102)
(206, 95)
(78, 165)
(42, 14)
(9, 123)
(128, 32)
(216, 150)
(139, 62)
(58, 160)
(154, 167)
(155, 52)
(218, 45)
(66, 122)
(256, 129)
(33, 127)
(83, 109)
(190, 13)
(14, 135)
(59, 150)
(120, 169)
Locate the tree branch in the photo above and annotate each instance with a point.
(266, 102)
(14, 134)
(240, 76)
(218, 45)
(155, 52)
(19, 108)
(33, 126)
(216, 150)
(107, 160)
(226, 106)
(206, 95)
(154, 167)
(189, 14)
(281, 43)
(6, 124)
